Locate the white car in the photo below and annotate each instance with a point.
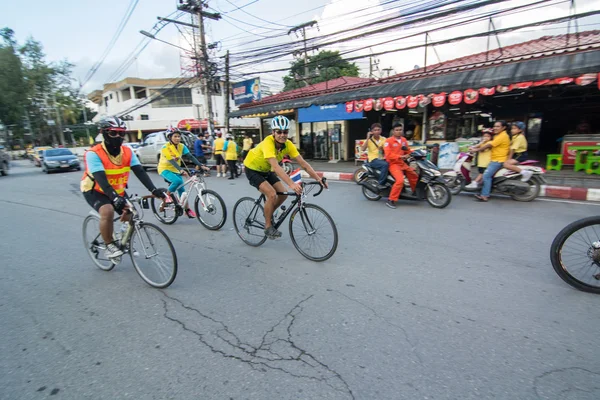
(149, 150)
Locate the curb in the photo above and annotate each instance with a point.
(556, 192)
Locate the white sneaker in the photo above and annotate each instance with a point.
(112, 251)
(526, 175)
(472, 185)
(219, 175)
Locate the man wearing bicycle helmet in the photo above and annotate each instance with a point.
(169, 166)
(264, 172)
(103, 184)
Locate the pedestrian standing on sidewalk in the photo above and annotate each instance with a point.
(374, 146)
(247, 145)
(231, 155)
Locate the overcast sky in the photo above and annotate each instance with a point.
(80, 30)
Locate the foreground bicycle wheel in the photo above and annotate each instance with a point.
(249, 221)
(169, 214)
(313, 232)
(153, 255)
(213, 214)
(94, 244)
(575, 254)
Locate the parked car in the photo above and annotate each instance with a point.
(133, 146)
(59, 160)
(4, 161)
(37, 155)
(149, 150)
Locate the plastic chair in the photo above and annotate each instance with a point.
(581, 160)
(593, 165)
(554, 162)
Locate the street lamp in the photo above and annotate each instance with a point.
(151, 36)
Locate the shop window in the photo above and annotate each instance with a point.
(144, 117)
(140, 92)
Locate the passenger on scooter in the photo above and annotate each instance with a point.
(374, 143)
(500, 147)
(483, 159)
(518, 151)
(396, 151)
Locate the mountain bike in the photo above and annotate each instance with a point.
(575, 254)
(310, 225)
(152, 253)
(209, 206)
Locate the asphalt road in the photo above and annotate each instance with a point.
(417, 303)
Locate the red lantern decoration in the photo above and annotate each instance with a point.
(412, 101)
(439, 99)
(504, 89)
(562, 81)
(598, 80)
(359, 105)
(378, 104)
(541, 83)
(471, 96)
(585, 79)
(424, 101)
(368, 104)
(455, 97)
(400, 102)
(388, 103)
(487, 91)
(349, 106)
(523, 85)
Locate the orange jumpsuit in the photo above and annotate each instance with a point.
(393, 155)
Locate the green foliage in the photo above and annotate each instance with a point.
(322, 67)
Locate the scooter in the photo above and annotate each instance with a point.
(431, 186)
(505, 181)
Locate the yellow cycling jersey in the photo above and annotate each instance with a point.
(170, 152)
(257, 158)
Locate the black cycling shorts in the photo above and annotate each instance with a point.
(219, 158)
(257, 177)
(96, 199)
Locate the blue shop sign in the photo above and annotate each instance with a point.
(331, 112)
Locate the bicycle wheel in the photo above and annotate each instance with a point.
(314, 233)
(169, 214)
(575, 254)
(249, 221)
(210, 210)
(94, 244)
(153, 255)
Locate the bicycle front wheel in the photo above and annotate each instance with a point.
(249, 221)
(210, 210)
(94, 244)
(153, 255)
(168, 215)
(313, 232)
(575, 254)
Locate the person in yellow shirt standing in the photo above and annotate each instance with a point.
(483, 160)
(247, 145)
(518, 151)
(374, 146)
(219, 143)
(231, 155)
(500, 147)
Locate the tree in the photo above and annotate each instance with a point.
(13, 94)
(322, 67)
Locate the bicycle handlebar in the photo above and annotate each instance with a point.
(306, 184)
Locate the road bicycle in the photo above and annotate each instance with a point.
(209, 206)
(575, 254)
(312, 230)
(152, 253)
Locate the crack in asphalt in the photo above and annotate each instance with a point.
(572, 388)
(277, 350)
(402, 329)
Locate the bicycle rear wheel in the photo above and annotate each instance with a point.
(249, 221)
(169, 214)
(94, 244)
(213, 213)
(153, 255)
(314, 233)
(575, 254)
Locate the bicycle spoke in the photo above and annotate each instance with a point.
(249, 221)
(153, 256)
(314, 233)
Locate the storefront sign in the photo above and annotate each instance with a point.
(368, 104)
(412, 101)
(437, 126)
(246, 91)
(400, 102)
(359, 105)
(358, 154)
(455, 97)
(349, 106)
(471, 96)
(332, 112)
(487, 91)
(439, 99)
(388, 103)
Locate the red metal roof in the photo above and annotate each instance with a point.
(546, 46)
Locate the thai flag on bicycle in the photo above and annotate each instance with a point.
(296, 176)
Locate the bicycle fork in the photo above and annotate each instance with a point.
(308, 226)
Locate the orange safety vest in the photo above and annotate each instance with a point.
(117, 175)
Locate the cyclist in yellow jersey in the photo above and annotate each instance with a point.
(264, 172)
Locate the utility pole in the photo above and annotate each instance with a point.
(87, 130)
(303, 27)
(61, 134)
(195, 7)
(226, 94)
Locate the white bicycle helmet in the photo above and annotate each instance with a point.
(280, 123)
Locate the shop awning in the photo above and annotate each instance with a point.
(505, 74)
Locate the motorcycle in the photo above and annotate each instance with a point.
(505, 181)
(430, 186)
(287, 165)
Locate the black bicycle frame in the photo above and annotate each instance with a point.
(281, 218)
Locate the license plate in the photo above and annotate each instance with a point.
(64, 166)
